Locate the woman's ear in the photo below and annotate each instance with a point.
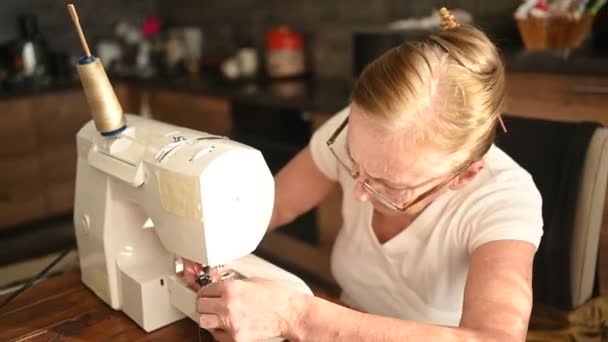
(468, 175)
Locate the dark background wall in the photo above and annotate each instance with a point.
(326, 25)
(97, 17)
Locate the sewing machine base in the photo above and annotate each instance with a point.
(152, 298)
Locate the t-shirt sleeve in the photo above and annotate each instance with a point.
(321, 155)
(513, 211)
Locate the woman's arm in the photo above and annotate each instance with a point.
(299, 186)
(497, 305)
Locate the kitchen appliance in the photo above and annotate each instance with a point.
(25, 60)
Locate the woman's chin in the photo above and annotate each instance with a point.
(384, 210)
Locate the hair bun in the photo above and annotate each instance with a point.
(448, 21)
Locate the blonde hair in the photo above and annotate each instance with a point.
(456, 75)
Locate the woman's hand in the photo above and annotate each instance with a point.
(191, 270)
(248, 310)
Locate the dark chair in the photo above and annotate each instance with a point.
(569, 163)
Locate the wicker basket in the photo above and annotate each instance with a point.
(555, 33)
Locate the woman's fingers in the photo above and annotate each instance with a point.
(190, 279)
(214, 289)
(209, 322)
(192, 266)
(205, 305)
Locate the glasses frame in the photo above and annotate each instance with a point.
(377, 195)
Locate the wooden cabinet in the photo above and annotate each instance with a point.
(38, 159)
(129, 97)
(202, 113)
(16, 128)
(59, 117)
(558, 97)
(22, 193)
(21, 178)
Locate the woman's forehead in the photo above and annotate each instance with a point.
(392, 153)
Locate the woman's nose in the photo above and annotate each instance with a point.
(407, 196)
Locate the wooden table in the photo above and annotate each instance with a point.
(61, 308)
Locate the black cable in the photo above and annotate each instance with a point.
(34, 278)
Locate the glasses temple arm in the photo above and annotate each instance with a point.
(332, 138)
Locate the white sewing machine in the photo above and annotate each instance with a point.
(155, 193)
(149, 193)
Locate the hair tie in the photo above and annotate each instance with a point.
(448, 21)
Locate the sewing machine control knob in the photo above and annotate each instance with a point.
(86, 223)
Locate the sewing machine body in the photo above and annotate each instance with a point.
(156, 193)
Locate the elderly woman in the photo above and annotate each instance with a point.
(441, 230)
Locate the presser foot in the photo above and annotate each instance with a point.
(212, 274)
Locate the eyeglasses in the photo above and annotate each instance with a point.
(400, 207)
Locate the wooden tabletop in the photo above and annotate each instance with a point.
(61, 308)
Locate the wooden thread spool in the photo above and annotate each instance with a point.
(106, 110)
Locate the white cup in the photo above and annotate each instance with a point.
(248, 61)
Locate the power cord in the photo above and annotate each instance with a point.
(35, 278)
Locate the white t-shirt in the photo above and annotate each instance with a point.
(420, 273)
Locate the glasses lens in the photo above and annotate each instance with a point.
(394, 199)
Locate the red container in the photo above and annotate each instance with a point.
(285, 53)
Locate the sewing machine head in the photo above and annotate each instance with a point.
(208, 198)
(155, 193)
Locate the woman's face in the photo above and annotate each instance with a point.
(390, 162)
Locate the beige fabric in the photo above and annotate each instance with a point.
(587, 323)
(588, 218)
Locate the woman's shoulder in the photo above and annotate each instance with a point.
(502, 203)
(501, 169)
(502, 181)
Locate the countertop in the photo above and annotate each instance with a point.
(323, 94)
(306, 94)
(578, 62)
(62, 308)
